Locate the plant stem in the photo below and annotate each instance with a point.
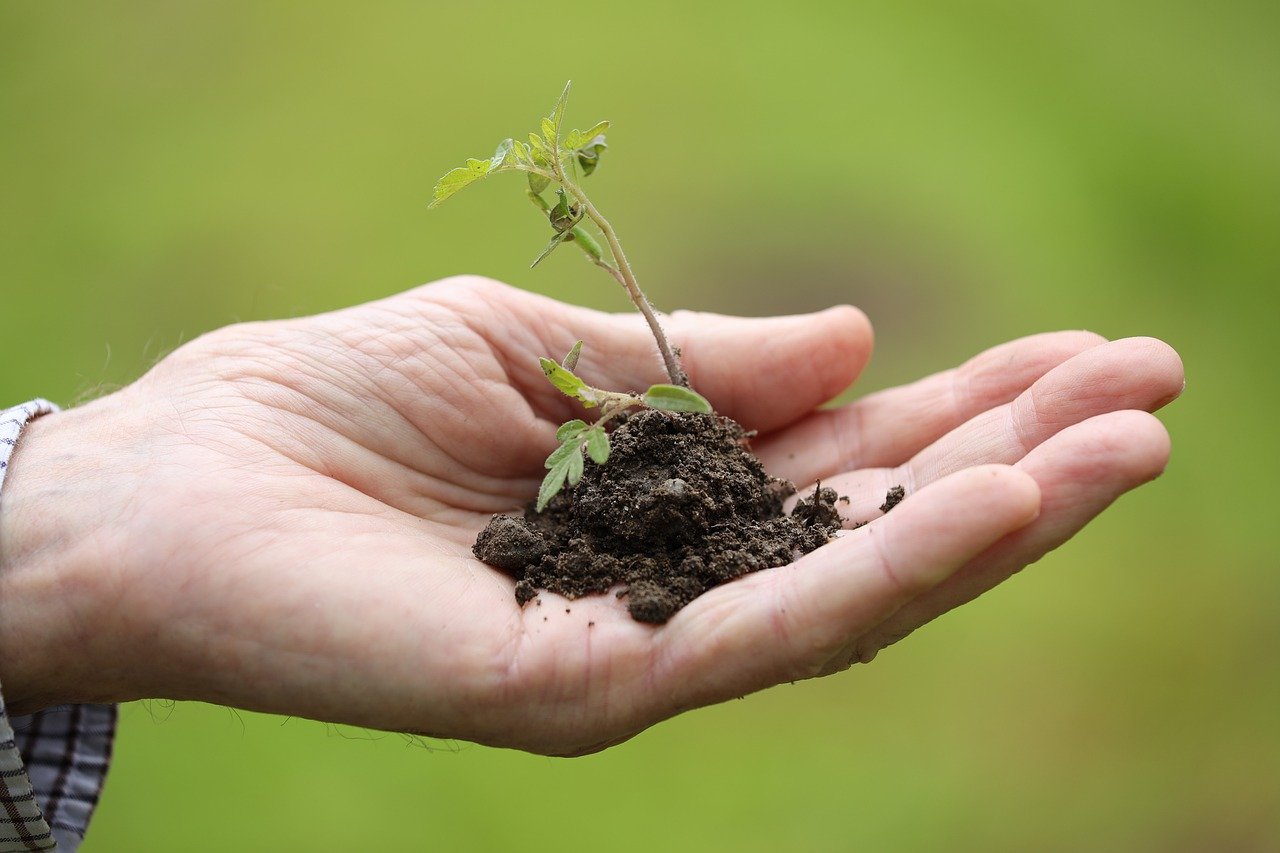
(624, 276)
(627, 278)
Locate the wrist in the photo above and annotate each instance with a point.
(56, 542)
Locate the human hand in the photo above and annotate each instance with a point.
(279, 515)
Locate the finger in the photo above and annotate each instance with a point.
(769, 372)
(786, 623)
(763, 372)
(1080, 471)
(1134, 373)
(888, 427)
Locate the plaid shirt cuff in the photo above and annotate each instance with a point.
(52, 763)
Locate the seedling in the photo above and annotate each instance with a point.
(551, 159)
(577, 437)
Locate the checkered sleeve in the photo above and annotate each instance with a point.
(52, 763)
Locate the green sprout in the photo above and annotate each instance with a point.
(554, 159)
(577, 437)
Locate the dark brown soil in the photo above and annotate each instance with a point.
(680, 507)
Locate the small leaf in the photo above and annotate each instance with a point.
(551, 247)
(570, 361)
(452, 181)
(563, 452)
(504, 156)
(456, 179)
(563, 379)
(589, 154)
(549, 132)
(536, 143)
(571, 429)
(575, 138)
(595, 130)
(538, 183)
(552, 484)
(674, 398)
(557, 114)
(598, 445)
(575, 468)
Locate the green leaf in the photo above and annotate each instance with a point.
(575, 468)
(504, 156)
(564, 380)
(463, 176)
(575, 138)
(551, 247)
(536, 143)
(549, 132)
(595, 130)
(570, 361)
(674, 398)
(452, 181)
(589, 155)
(563, 452)
(538, 183)
(598, 445)
(552, 484)
(571, 429)
(557, 115)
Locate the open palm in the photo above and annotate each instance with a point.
(293, 505)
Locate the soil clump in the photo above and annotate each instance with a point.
(681, 506)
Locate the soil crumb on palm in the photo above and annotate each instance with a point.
(680, 507)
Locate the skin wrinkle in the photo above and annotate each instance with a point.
(787, 619)
(255, 466)
(845, 427)
(961, 390)
(511, 351)
(782, 613)
(303, 655)
(1023, 414)
(883, 560)
(511, 684)
(450, 347)
(671, 662)
(302, 404)
(339, 419)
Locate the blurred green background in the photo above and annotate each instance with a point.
(967, 173)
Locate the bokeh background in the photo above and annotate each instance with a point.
(967, 173)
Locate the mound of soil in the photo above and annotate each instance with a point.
(680, 507)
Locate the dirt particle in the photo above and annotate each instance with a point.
(892, 498)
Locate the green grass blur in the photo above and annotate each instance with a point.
(967, 173)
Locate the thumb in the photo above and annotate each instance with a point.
(765, 372)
